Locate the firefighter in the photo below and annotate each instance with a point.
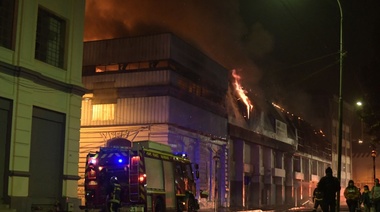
(352, 195)
(113, 195)
(366, 199)
(317, 198)
(329, 185)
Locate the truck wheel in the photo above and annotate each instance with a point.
(159, 206)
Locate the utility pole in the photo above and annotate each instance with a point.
(340, 110)
(373, 154)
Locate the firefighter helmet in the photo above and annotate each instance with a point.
(113, 179)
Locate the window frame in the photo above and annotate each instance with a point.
(51, 38)
(7, 40)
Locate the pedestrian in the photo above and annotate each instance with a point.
(329, 185)
(375, 192)
(113, 195)
(317, 198)
(352, 195)
(365, 199)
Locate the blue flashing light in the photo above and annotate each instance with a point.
(181, 154)
(120, 160)
(93, 161)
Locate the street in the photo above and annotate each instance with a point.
(277, 209)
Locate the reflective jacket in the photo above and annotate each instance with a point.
(317, 195)
(352, 193)
(114, 195)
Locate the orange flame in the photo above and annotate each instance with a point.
(241, 92)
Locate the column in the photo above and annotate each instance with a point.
(270, 188)
(289, 178)
(237, 184)
(257, 183)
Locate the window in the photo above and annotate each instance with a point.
(50, 38)
(314, 167)
(297, 164)
(113, 67)
(103, 112)
(7, 18)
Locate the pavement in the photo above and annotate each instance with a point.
(283, 208)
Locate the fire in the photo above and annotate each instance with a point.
(241, 92)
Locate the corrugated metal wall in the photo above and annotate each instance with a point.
(159, 109)
(196, 118)
(128, 111)
(198, 62)
(132, 79)
(155, 47)
(123, 50)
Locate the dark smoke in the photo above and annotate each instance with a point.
(213, 26)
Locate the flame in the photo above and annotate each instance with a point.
(241, 92)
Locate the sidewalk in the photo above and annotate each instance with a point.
(283, 208)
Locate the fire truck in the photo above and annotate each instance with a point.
(152, 178)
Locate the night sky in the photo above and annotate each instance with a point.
(306, 51)
(282, 48)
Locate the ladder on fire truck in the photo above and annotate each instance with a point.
(134, 183)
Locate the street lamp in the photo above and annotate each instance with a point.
(340, 110)
(361, 140)
(373, 154)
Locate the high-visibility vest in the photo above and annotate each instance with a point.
(115, 194)
(318, 195)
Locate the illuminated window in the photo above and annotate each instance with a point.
(113, 67)
(103, 112)
(7, 9)
(99, 69)
(129, 66)
(50, 38)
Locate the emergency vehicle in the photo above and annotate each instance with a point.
(152, 178)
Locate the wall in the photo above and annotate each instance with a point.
(31, 83)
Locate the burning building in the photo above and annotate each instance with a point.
(159, 88)
(277, 157)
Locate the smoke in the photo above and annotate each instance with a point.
(213, 26)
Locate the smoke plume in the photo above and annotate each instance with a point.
(213, 26)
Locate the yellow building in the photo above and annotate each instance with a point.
(40, 99)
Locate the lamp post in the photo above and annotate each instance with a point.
(340, 110)
(373, 154)
(360, 104)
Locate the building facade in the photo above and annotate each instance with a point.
(278, 158)
(159, 88)
(40, 99)
(156, 88)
